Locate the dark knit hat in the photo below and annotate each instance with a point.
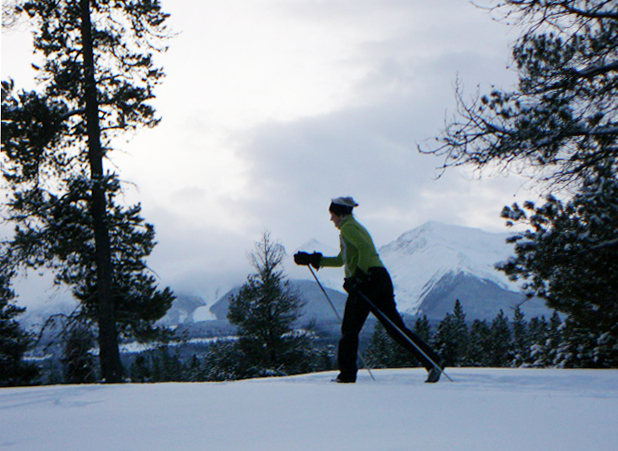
(342, 206)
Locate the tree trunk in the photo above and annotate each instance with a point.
(109, 355)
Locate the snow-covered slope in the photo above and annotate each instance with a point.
(419, 259)
(484, 409)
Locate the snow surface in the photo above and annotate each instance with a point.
(483, 409)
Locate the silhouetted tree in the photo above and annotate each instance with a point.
(521, 339)
(97, 80)
(78, 360)
(451, 338)
(560, 119)
(265, 310)
(558, 124)
(14, 341)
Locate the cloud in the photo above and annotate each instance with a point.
(368, 147)
(272, 107)
(332, 101)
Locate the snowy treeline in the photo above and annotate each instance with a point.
(501, 342)
(537, 342)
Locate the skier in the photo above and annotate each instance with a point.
(365, 278)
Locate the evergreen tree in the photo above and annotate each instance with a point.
(560, 125)
(561, 117)
(451, 338)
(549, 348)
(479, 344)
(79, 363)
(538, 331)
(225, 361)
(521, 339)
(568, 257)
(380, 349)
(140, 370)
(500, 344)
(422, 328)
(167, 366)
(67, 245)
(384, 352)
(14, 341)
(194, 370)
(265, 310)
(159, 365)
(97, 79)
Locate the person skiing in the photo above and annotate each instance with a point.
(366, 278)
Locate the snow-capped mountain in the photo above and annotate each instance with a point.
(436, 264)
(432, 266)
(419, 259)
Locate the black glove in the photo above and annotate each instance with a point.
(303, 258)
(351, 285)
(358, 282)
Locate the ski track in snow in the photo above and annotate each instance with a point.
(484, 409)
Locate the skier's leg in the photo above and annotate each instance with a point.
(381, 294)
(354, 317)
(414, 338)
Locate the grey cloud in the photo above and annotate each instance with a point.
(368, 151)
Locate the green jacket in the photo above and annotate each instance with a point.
(357, 249)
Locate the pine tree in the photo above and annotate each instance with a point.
(140, 370)
(384, 352)
(422, 328)
(14, 341)
(451, 338)
(479, 344)
(78, 361)
(521, 339)
(169, 366)
(538, 331)
(97, 79)
(560, 120)
(500, 345)
(225, 361)
(265, 310)
(380, 349)
(560, 126)
(568, 257)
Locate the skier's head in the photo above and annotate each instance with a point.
(342, 206)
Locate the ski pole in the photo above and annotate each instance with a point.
(403, 334)
(360, 355)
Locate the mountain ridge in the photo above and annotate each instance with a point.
(432, 266)
(420, 258)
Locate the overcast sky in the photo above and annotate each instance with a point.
(272, 107)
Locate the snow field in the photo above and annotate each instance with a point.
(484, 409)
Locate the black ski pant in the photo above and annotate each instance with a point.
(380, 291)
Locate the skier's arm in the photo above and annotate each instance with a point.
(332, 262)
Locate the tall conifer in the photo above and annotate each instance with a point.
(96, 80)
